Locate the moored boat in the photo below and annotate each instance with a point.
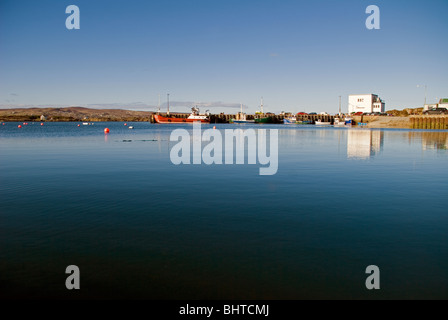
(241, 117)
(348, 121)
(290, 120)
(260, 117)
(322, 123)
(339, 122)
(304, 122)
(195, 116)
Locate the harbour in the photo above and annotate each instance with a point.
(428, 122)
(223, 158)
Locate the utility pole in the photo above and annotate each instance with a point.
(426, 87)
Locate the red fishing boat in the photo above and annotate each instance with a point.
(195, 116)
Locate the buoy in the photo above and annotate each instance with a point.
(214, 127)
(19, 126)
(79, 125)
(125, 124)
(106, 130)
(41, 124)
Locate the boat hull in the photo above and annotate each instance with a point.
(263, 120)
(161, 119)
(242, 121)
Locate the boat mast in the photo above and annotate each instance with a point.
(158, 105)
(168, 104)
(339, 106)
(262, 105)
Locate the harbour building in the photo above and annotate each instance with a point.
(366, 103)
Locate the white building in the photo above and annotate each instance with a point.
(366, 103)
(443, 103)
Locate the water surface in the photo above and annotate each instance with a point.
(138, 226)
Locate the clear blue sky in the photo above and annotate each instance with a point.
(298, 55)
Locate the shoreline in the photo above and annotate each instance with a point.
(80, 114)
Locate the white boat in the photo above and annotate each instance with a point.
(290, 120)
(342, 120)
(339, 122)
(322, 123)
(241, 117)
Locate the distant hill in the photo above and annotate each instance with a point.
(73, 114)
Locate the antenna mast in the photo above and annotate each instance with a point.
(168, 104)
(339, 105)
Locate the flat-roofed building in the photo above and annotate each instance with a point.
(366, 103)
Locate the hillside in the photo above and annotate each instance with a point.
(73, 114)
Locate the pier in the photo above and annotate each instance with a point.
(434, 122)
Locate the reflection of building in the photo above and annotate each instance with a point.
(363, 144)
(366, 103)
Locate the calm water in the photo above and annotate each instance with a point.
(138, 226)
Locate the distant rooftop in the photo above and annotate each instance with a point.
(364, 94)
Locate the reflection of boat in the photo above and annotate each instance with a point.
(322, 123)
(241, 117)
(290, 120)
(195, 116)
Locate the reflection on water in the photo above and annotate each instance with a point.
(437, 140)
(140, 227)
(363, 144)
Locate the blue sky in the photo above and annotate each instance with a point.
(297, 55)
